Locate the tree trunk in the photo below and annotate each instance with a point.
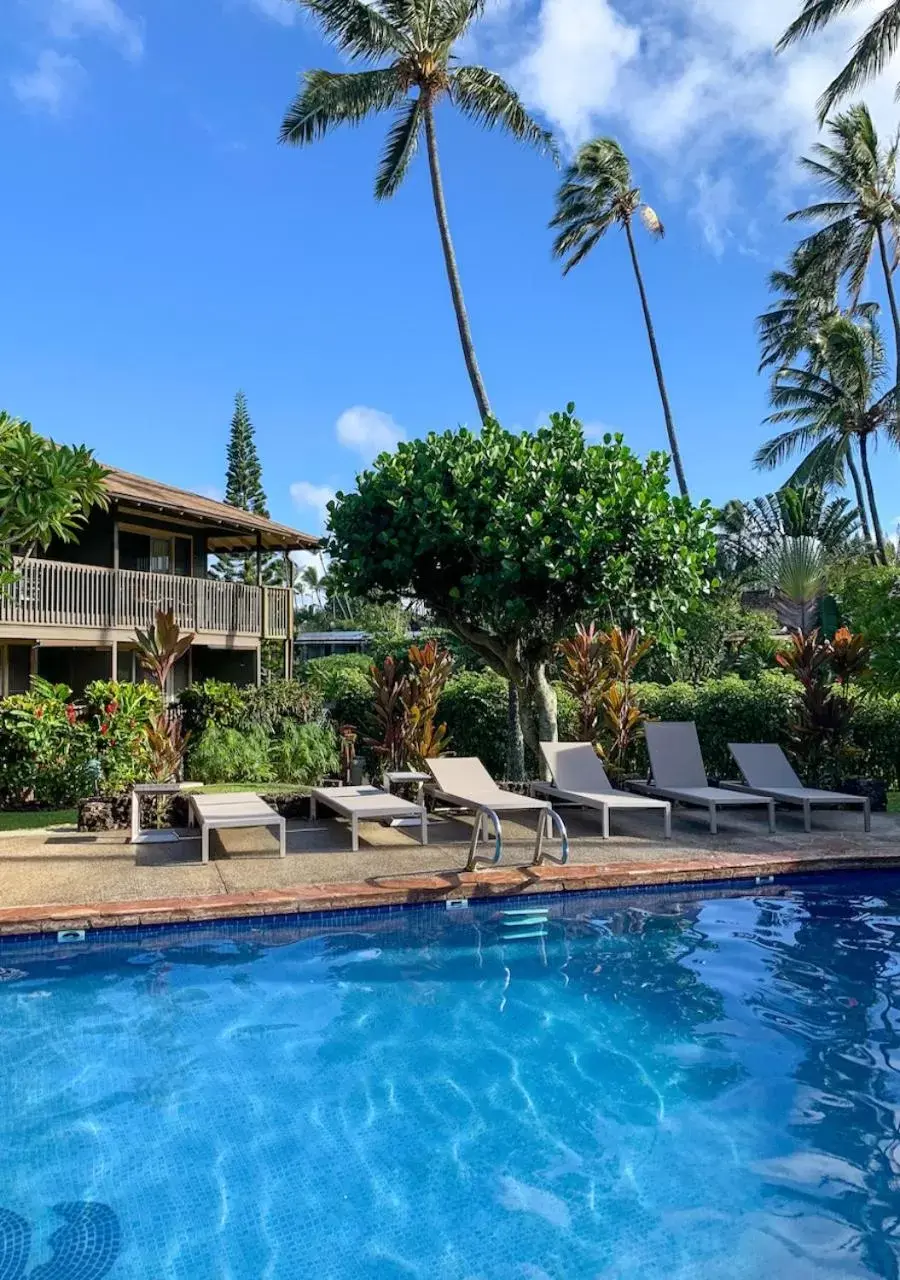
(543, 710)
(860, 496)
(515, 743)
(459, 306)
(889, 285)
(657, 365)
(873, 506)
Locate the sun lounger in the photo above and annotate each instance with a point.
(768, 772)
(678, 773)
(579, 778)
(368, 804)
(464, 783)
(234, 809)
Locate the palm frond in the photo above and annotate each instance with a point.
(401, 147)
(331, 98)
(489, 100)
(449, 19)
(782, 447)
(824, 465)
(870, 55)
(358, 28)
(814, 15)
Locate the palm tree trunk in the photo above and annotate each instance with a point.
(873, 506)
(889, 285)
(663, 395)
(860, 497)
(459, 306)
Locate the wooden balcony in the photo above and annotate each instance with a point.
(50, 595)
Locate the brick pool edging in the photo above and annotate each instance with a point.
(412, 889)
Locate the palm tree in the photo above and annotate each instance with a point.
(749, 532)
(833, 407)
(870, 55)
(598, 192)
(863, 211)
(412, 41)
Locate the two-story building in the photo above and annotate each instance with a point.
(72, 614)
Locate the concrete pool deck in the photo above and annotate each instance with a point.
(62, 879)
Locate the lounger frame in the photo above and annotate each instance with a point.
(379, 804)
(219, 812)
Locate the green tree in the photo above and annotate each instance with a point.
(597, 193)
(47, 491)
(832, 408)
(749, 532)
(508, 540)
(870, 55)
(244, 489)
(861, 214)
(412, 43)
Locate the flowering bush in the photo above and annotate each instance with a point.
(45, 750)
(120, 716)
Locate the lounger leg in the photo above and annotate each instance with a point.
(473, 845)
(867, 815)
(667, 821)
(312, 809)
(135, 816)
(354, 833)
(424, 826)
(771, 817)
(807, 816)
(282, 837)
(204, 843)
(604, 820)
(713, 820)
(539, 839)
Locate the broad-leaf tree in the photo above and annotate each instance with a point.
(869, 56)
(833, 407)
(407, 48)
(598, 193)
(46, 490)
(860, 215)
(509, 540)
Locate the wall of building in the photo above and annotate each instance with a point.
(95, 540)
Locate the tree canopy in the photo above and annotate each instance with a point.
(46, 489)
(508, 539)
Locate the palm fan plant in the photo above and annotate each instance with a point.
(833, 408)
(861, 215)
(748, 532)
(597, 193)
(869, 56)
(795, 571)
(407, 46)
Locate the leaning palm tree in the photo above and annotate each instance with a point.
(598, 192)
(869, 56)
(412, 41)
(862, 212)
(832, 409)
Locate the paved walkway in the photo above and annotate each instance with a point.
(66, 879)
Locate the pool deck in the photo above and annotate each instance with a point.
(62, 879)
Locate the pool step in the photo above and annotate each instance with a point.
(524, 922)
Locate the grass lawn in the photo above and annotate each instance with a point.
(34, 819)
(261, 788)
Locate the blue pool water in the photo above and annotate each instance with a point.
(691, 1084)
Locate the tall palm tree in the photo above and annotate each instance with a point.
(833, 407)
(411, 41)
(597, 193)
(869, 56)
(862, 213)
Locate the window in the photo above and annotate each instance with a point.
(155, 552)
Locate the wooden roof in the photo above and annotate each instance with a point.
(229, 528)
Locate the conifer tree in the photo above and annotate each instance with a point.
(244, 489)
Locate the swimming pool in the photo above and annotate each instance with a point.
(687, 1084)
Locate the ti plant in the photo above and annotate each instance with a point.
(406, 705)
(824, 669)
(158, 650)
(584, 675)
(599, 671)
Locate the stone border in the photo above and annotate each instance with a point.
(383, 891)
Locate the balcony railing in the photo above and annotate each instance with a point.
(52, 593)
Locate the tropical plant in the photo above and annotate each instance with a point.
(509, 539)
(158, 649)
(390, 687)
(230, 755)
(416, 68)
(870, 54)
(304, 754)
(598, 193)
(833, 410)
(850, 656)
(45, 748)
(47, 490)
(584, 675)
(868, 599)
(824, 713)
(124, 715)
(862, 211)
(795, 571)
(805, 296)
(430, 668)
(750, 531)
(620, 715)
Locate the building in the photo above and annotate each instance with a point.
(72, 614)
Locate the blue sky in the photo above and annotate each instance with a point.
(160, 251)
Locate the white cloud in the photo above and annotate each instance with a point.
(50, 84)
(283, 11)
(595, 431)
(692, 88)
(69, 19)
(368, 431)
(314, 496)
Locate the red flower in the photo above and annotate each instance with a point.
(70, 713)
(39, 713)
(104, 728)
(112, 707)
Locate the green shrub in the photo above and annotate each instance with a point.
(45, 750)
(278, 701)
(474, 707)
(229, 755)
(119, 714)
(346, 691)
(304, 753)
(212, 701)
(868, 599)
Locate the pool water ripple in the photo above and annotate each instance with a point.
(685, 1085)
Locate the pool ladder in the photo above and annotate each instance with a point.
(524, 922)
